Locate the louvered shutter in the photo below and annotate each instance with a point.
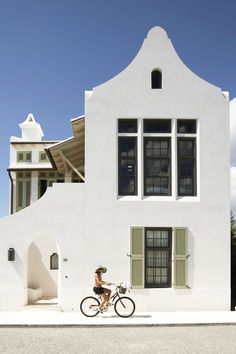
(180, 258)
(137, 257)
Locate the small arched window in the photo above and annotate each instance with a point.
(156, 79)
(54, 261)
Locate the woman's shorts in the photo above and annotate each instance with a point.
(98, 290)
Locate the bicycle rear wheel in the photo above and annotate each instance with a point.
(124, 307)
(89, 306)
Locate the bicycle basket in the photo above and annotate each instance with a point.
(122, 290)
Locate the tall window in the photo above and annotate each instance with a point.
(127, 165)
(186, 151)
(157, 257)
(153, 259)
(156, 79)
(187, 166)
(157, 166)
(23, 190)
(127, 157)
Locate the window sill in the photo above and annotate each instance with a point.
(135, 198)
(129, 198)
(155, 198)
(188, 199)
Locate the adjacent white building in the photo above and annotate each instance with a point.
(152, 157)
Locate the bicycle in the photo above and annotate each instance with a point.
(124, 306)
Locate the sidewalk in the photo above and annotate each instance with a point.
(56, 318)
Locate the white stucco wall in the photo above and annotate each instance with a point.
(184, 95)
(91, 225)
(57, 216)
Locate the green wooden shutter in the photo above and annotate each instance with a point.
(19, 195)
(137, 257)
(27, 192)
(23, 191)
(180, 258)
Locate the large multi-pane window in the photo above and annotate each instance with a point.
(157, 166)
(127, 165)
(186, 166)
(157, 257)
(164, 150)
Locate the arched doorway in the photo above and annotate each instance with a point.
(42, 271)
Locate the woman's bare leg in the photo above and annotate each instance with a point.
(106, 296)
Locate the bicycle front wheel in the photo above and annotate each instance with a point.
(124, 306)
(89, 306)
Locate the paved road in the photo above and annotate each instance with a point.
(138, 340)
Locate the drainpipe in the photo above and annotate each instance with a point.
(11, 199)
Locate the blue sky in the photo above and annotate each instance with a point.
(51, 51)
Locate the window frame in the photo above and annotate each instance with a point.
(40, 156)
(135, 158)
(145, 159)
(190, 158)
(24, 156)
(188, 121)
(157, 120)
(169, 249)
(156, 80)
(127, 120)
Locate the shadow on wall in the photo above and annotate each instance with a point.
(18, 265)
(39, 273)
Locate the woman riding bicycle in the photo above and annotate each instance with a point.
(98, 289)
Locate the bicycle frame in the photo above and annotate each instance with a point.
(113, 297)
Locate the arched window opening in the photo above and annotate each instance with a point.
(54, 261)
(156, 79)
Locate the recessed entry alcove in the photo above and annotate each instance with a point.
(42, 271)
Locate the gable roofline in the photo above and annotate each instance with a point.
(155, 43)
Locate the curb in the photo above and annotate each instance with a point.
(129, 325)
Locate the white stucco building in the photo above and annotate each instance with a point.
(153, 153)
